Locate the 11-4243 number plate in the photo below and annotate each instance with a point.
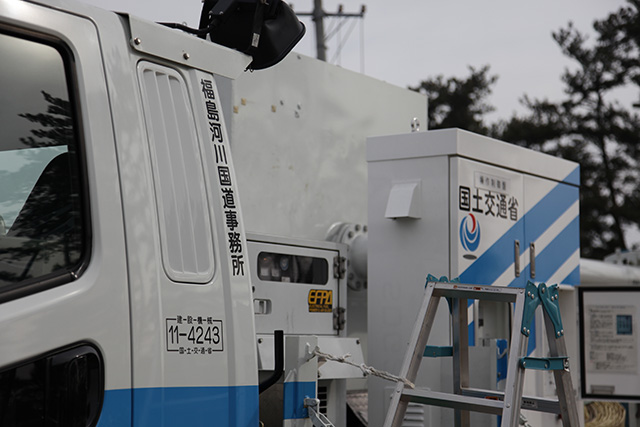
(194, 335)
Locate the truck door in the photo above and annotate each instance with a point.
(64, 322)
(194, 355)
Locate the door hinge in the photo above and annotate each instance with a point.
(339, 267)
(338, 318)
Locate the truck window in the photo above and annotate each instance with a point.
(275, 267)
(40, 207)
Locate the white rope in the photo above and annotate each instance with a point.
(367, 370)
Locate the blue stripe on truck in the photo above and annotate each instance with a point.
(181, 406)
(116, 408)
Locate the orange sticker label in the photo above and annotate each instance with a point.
(320, 301)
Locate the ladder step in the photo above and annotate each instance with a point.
(479, 400)
(540, 404)
(455, 401)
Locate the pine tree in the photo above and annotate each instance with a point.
(459, 102)
(589, 128)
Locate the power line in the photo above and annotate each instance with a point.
(343, 40)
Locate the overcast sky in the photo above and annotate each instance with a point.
(406, 41)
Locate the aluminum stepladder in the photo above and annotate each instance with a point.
(465, 399)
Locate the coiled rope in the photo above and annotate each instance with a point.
(604, 414)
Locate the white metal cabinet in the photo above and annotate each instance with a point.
(472, 199)
(487, 231)
(552, 229)
(510, 226)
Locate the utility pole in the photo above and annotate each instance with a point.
(318, 19)
(318, 16)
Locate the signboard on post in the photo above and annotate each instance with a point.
(609, 322)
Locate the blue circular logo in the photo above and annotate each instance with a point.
(470, 233)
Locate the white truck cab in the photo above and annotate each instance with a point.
(125, 295)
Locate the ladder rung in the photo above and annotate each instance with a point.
(541, 404)
(455, 401)
(488, 293)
